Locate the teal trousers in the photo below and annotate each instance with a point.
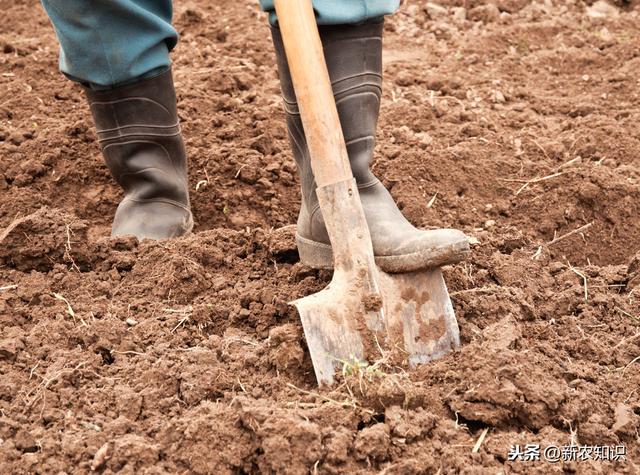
(107, 43)
(342, 12)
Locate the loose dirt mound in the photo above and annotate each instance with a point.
(517, 125)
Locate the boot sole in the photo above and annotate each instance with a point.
(319, 256)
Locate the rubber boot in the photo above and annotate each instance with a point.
(139, 135)
(354, 59)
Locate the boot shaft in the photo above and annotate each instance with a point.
(353, 54)
(139, 135)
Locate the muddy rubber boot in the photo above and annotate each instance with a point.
(354, 59)
(139, 135)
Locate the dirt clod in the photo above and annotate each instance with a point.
(372, 302)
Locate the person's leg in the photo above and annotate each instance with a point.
(354, 60)
(119, 51)
(140, 138)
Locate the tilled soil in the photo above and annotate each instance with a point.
(517, 125)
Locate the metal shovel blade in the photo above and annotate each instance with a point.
(365, 313)
(416, 318)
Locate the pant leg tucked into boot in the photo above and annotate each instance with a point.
(354, 60)
(139, 135)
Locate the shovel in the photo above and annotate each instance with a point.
(364, 314)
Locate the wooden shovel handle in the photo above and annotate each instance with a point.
(329, 159)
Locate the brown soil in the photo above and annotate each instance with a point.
(184, 357)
